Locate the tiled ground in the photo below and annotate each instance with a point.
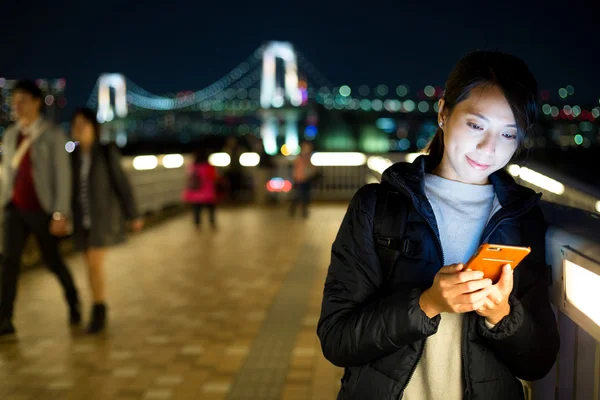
(193, 315)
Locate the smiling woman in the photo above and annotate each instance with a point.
(484, 116)
(397, 277)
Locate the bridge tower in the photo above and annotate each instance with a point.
(274, 96)
(106, 111)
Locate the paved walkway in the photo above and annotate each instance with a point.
(193, 315)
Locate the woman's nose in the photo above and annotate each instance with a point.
(487, 144)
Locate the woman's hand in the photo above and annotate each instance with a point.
(455, 291)
(496, 304)
(59, 227)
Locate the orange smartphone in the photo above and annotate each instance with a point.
(490, 258)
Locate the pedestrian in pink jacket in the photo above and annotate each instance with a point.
(201, 190)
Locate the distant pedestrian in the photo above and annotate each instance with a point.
(303, 173)
(201, 188)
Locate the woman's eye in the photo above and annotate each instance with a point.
(474, 126)
(510, 136)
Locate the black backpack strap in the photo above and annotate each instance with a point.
(389, 226)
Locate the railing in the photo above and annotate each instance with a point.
(573, 253)
(158, 187)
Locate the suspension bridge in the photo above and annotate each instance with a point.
(280, 108)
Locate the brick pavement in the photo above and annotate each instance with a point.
(192, 316)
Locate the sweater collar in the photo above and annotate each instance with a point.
(410, 177)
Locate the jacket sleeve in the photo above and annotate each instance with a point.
(5, 166)
(359, 325)
(527, 340)
(121, 183)
(62, 173)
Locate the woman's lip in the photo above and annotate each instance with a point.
(476, 165)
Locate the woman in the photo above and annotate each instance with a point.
(102, 200)
(303, 173)
(201, 189)
(434, 330)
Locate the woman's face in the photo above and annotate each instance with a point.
(480, 136)
(83, 131)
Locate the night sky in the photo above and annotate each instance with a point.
(166, 46)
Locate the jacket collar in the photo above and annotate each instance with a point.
(33, 129)
(31, 133)
(410, 177)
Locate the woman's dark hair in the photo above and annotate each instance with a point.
(491, 68)
(90, 116)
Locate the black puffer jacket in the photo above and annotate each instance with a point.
(377, 331)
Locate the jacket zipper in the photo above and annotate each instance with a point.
(520, 213)
(439, 244)
(414, 368)
(465, 330)
(507, 218)
(465, 333)
(466, 319)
